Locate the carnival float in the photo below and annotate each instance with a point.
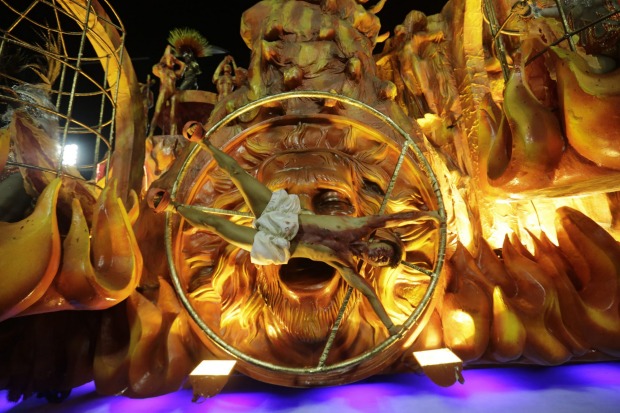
(494, 124)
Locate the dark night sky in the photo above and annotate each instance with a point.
(147, 25)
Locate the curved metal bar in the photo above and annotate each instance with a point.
(488, 10)
(569, 35)
(419, 269)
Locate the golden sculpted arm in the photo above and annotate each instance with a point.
(169, 70)
(224, 76)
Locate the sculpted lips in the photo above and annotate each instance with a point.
(304, 275)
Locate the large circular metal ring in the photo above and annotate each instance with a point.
(339, 368)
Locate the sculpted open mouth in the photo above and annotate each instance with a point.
(304, 275)
(304, 296)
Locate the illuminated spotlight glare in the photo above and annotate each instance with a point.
(441, 365)
(210, 377)
(70, 154)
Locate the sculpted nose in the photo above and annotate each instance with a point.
(305, 201)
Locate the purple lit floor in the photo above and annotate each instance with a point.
(577, 388)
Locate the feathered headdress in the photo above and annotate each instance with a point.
(190, 40)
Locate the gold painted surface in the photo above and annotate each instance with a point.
(518, 124)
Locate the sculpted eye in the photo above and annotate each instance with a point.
(333, 203)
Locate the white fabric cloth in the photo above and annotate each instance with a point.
(277, 226)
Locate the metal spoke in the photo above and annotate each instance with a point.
(334, 331)
(423, 270)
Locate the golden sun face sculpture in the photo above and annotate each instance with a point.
(284, 314)
(502, 116)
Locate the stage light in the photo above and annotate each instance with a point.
(70, 154)
(210, 377)
(442, 366)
